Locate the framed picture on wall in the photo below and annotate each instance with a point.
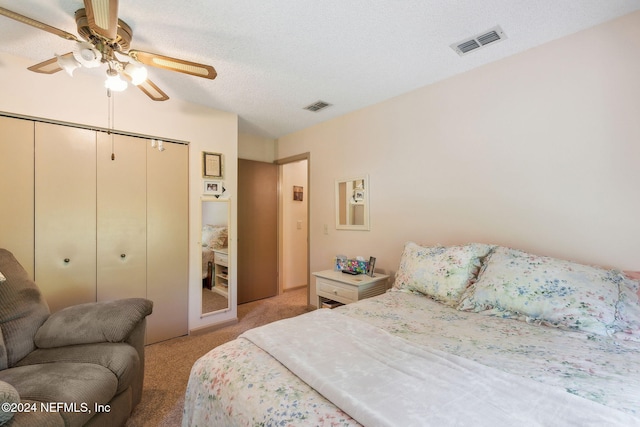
(212, 187)
(297, 193)
(212, 165)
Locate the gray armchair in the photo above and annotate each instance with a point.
(83, 365)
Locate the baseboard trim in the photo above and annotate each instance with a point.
(211, 328)
(295, 288)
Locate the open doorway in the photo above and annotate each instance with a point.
(293, 214)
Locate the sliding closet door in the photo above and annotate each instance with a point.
(167, 241)
(16, 189)
(65, 214)
(121, 217)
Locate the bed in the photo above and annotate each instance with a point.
(468, 335)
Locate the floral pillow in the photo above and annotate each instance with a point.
(215, 236)
(628, 308)
(551, 291)
(442, 273)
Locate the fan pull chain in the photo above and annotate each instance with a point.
(110, 115)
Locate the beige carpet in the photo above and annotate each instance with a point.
(168, 363)
(213, 301)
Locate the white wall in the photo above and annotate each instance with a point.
(538, 151)
(294, 226)
(82, 100)
(215, 212)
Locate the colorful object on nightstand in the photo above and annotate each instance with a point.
(355, 265)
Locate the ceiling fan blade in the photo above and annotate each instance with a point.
(102, 16)
(174, 64)
(37, 24)
(153, 91)
(49, 66)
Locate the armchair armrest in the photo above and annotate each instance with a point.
(9, 395)
(109, 321)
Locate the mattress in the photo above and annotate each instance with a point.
(240, 384)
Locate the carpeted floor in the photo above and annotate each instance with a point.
(212, 301)
(167, 364)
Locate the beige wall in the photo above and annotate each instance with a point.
(538, 151)
(251, 147)
(82, 99)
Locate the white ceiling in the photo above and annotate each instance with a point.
(274, 57)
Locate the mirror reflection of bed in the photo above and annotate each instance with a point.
(215, 261)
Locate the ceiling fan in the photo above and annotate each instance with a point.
(104, 39)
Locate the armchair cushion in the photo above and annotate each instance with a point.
(79, 384)
(120, 358)
(109, 321)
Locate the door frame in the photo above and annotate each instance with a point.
(281, 162)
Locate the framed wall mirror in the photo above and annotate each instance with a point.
(215, 255)
(352, 203)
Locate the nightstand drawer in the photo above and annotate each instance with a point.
(220, 258)
(335, 290)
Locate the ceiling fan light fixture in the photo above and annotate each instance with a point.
(67, 63)
(87, 55)
(136, 72)
(114, 82)
(105, 36)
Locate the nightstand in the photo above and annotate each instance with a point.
(345, 288)
(221, 272)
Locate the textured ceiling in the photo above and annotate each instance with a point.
(274, 57)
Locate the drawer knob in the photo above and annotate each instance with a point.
(67, 260)
(123, 256)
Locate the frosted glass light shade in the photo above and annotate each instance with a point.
(115, 83)
(136, 72)
(67, 63)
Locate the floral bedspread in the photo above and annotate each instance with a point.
(239, 384)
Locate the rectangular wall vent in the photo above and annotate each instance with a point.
(470, 44)
(317, 106)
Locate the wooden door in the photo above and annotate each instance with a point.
(167, 241)
(65, 214)
(257, 230)
(121, 217)
(16, 190)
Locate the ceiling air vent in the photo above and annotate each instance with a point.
(317, 106)
(467, 45)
